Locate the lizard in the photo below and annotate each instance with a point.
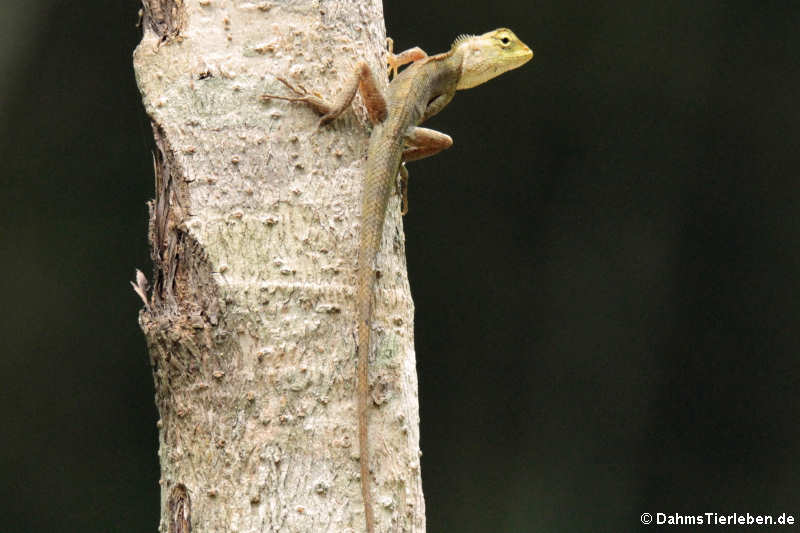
(414, 95)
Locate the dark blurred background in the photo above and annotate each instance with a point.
(605, 268)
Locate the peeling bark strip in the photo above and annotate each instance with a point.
(179, 264)
(163, 245)
(180, 510)
(249, 320)
(165, 18)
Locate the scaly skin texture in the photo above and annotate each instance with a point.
(416, 94)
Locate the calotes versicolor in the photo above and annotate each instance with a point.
(416, 94)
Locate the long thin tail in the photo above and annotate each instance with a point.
(365, 283)
(382, 165)
(364, 299)
(365, 286)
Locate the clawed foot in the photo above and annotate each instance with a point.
(402, 188)
(302, 95)
(391, 58)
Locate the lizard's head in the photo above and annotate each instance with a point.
(489, 55)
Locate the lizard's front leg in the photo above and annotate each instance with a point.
(363, 81)
(398, 60)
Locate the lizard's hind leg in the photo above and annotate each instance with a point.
(425, 142)
(420, 143)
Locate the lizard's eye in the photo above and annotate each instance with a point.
(506, 41)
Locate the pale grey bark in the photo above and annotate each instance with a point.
(250, 323)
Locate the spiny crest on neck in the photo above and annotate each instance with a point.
(461, 38)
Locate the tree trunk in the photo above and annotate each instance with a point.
(250, 323)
